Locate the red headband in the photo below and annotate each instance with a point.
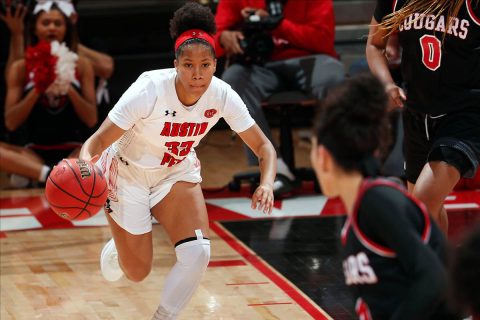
(194, 34)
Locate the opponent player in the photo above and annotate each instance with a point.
(148, 142)
(392, 251)
(441, 70)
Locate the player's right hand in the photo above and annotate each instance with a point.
(230, 41)
(396, 95)
(262, 198)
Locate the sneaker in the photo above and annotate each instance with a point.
(109, 265)
(283, 185)
(18, 181)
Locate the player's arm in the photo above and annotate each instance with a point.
(384, 214)
(107, 134)
(102, 63)
(256, 140)
(136, 103)
(378, 62)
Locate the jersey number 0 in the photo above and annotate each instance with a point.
(431, 52)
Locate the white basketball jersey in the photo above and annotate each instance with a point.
(161, 131)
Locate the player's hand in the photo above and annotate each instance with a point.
(262, 198)
(14, 18)
(92, 159)
(396, 95)
(95, 158)
(230, 41)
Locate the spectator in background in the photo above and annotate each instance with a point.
(303, 56)
(57, 107)
(13, 17)
(103, 64)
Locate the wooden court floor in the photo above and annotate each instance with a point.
(54, 274)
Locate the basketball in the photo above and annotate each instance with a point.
(76, 189)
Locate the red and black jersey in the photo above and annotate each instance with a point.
(393, 256)
(440, 64)
(53, 121)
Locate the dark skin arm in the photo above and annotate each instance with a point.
(378, 63)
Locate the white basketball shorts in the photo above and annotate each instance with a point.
(133, 191)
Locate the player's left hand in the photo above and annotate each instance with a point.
(263, 198)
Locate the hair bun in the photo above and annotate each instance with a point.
(192, 15)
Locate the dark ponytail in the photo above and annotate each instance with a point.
(352, 124)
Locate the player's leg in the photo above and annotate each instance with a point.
(128, 212)
(435, 182)
(133, 253)
(183, 215)
(454, 153)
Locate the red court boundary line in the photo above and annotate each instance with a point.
(245, 283)
(226, 263)
(286, 286)
(267, 304)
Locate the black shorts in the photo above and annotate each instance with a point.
(453, 138)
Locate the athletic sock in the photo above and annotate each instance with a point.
(282, 168)
(44, 173)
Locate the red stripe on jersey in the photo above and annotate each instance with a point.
(471, 12)
(345, 229)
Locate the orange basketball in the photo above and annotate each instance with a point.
(76, 189)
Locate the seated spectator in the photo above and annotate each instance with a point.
(103, 64)
(300, 35)
(50, 92)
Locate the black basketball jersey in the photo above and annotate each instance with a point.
(393, 256)
(441, 71)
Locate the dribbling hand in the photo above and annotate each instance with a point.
(263, 198)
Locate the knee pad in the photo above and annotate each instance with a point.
(193, 253)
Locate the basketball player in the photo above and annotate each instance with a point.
(147, 153)
(393, 252)
(441, 69)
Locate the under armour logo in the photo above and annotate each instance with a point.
(125, 162)
(173, 113)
